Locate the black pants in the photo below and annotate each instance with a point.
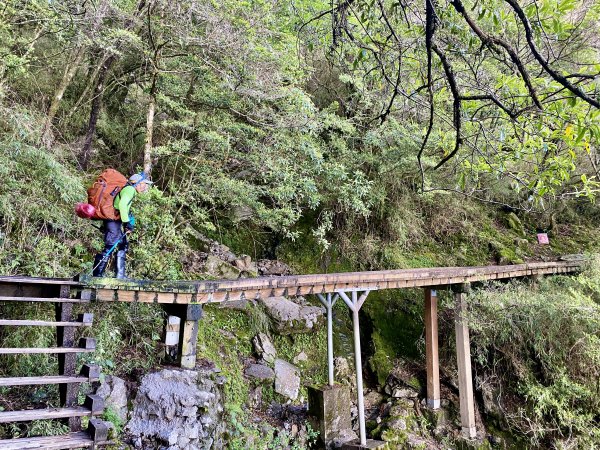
(113, 230)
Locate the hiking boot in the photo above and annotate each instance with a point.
(100, 262)
(120, 264)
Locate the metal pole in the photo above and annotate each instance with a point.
(330, 338)
(358, 363)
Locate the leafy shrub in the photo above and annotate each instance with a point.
(543, 343)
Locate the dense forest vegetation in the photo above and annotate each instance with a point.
(333, 136)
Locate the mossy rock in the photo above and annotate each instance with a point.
(515, 224)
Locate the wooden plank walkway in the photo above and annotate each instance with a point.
(201, 292)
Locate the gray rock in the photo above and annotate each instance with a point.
(287, 379)
(300, 358)
(219, 268)
(403, 392)
(113, 391)
(241, 213)
(264, 347)
(180, 409)
(268, 267)
(259, 372)
(290, 318)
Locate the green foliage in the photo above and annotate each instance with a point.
(127, 336)
(46, 428)
(17, 337)
(396, 318)
(543, 343)
(111, 416)
(271, 139)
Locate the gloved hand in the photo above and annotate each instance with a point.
(128, 226)
(131, 220)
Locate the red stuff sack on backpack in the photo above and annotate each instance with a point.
(85, 210)
(103, 192)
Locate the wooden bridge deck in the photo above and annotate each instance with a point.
(216, 291)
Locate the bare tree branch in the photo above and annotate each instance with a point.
(455, 104)
(491, 42)
(555, 75)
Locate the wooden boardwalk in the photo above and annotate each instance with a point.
(216, 291)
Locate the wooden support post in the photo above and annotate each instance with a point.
(463, 355)
(431, 349)
(65, 337)
(188, 340)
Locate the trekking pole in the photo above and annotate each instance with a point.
(105, 257)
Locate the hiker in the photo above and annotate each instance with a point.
(115, 231)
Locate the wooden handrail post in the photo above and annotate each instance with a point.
(463, 355)
(431, 349)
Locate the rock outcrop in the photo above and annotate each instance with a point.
(289, 317)
(178, 410)
(264, 348)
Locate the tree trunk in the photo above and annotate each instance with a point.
(69, 73)
(89, 86)
(150, 127)
(86, 151)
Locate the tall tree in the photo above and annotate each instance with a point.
(517, 85)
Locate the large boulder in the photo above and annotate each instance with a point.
(289, 317)
(178, 410)
(114, 392)
(287, 379)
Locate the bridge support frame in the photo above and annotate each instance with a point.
(355, 304)
(328, 301)
(431, 349)
(463, 356)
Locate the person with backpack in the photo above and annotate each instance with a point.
(118, 222)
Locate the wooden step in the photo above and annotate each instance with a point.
(32, 350)
(86, 345)
(68, 441)
(93, 405)
(53, 379)
(38, 280)
(43, 323)
(43, 414)
(85, 320)
(42, 299)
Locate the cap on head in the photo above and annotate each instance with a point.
(138, 178)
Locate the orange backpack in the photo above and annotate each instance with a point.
(103, 192)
